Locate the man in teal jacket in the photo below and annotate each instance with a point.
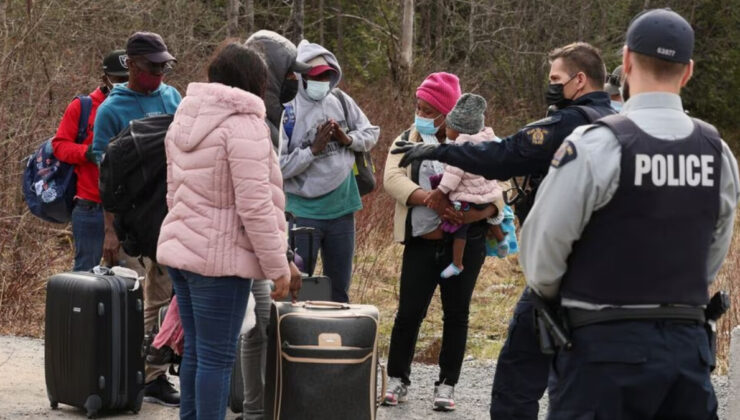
(145, 95)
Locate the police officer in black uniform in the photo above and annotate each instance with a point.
(577, 75)
(629, 229)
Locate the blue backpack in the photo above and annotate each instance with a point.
(50, 185)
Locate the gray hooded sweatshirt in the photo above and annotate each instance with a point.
(279, 54)
(312, 176)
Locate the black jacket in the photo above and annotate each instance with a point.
(528, 151)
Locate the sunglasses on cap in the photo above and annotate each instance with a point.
(153, 68)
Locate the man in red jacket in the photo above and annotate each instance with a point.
(88, 227)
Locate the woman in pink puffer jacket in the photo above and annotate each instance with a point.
(226, 225)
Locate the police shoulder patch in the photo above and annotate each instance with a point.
(566, 153)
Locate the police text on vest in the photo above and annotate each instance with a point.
(675, 170)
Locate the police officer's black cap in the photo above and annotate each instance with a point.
(149, 45)
(661, 33)
(114, 64)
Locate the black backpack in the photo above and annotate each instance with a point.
(133, 183)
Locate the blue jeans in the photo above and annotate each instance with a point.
(88, 231)
(336, 239)
(211, 310)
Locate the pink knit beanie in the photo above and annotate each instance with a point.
(441, 90)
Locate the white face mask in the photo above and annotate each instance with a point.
(317, 90)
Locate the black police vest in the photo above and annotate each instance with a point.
(650, 243)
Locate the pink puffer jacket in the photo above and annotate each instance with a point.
(462, 186)
(224, 188)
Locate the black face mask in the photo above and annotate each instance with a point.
(555, 95)
(288, 90)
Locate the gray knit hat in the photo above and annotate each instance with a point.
(467, 115)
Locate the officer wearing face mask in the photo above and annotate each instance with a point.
(577, 75)
(321, 131)
(641, 323)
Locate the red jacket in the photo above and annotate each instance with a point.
(66, 150)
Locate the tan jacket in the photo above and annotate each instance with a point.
(397, 182)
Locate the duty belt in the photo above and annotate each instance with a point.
(582, 317)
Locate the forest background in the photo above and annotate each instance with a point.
(51, 50)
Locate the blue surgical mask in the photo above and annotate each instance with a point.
(425, 125)
(317, 90)
(617, 106)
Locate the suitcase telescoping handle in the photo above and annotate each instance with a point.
(308, 262)
(322, 304)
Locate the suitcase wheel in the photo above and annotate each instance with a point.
(54, 405)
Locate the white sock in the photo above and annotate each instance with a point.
(451, 270)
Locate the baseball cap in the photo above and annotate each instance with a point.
(319, 65)
(661, 33)
(613, 81)
(149, 45)
(114, 64)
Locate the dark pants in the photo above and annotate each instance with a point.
(88, 232)
(522, 370)
(423, 260)
(336, 239)
(211, 310)
(635, 370)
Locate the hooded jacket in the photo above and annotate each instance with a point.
(279, 55)
(124, 105)
(464, 186)
(310, 176)
(224, 188)
(66, 150)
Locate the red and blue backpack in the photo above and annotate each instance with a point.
(50, 185)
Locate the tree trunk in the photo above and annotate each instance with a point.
(407, 37)
(297, 22)
(249, 14)
(426, 26)
(340, 33)
(439, 17)
(471, 35)
(232, 17)
(321, 22)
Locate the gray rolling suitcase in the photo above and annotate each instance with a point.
(93, 338)
(322, 361)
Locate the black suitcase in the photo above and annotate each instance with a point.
(322, 360)
(93, 342)
(313, 287)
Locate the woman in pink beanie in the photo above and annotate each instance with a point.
(427, 251)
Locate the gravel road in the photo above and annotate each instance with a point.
(23, 391)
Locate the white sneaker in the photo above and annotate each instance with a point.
(444, 397)
(397, 392)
